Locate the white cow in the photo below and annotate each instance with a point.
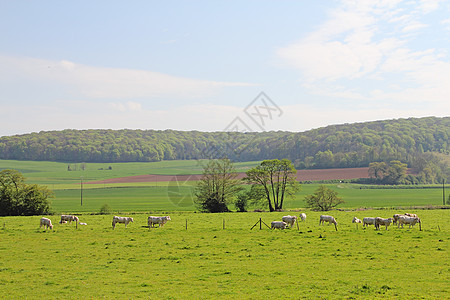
(157, 220)
(278, 225)
(368, 221)
(124, 220)
(395, 218)
(385, 222)
(68, 218)
(303, 216)
(356, 220)
(290, 220)
(408, 220)
(47, 223)
(329, 219)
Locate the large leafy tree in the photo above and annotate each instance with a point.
(323, 199)
(20, 199)
(217, 187)
(277, 180)
(392, 173)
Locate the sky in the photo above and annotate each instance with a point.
(253, 65)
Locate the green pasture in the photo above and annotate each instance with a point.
(179, 197)
(208, 261)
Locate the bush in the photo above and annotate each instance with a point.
(105, 209)
(20, 199)
(241, 202)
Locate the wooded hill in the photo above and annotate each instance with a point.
(347, 145)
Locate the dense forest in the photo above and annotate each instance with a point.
(347, 145)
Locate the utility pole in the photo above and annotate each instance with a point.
(81, 190)
(443, 192)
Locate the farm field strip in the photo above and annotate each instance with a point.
(207, 261)
(181, 198)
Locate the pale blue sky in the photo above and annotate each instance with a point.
(196, 65)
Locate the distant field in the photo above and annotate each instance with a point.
(177, 195)
(55, 174)
(207, 261)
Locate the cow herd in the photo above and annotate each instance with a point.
(407, 218)
(399, 219)
(47, 223)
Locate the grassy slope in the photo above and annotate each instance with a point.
(208, 262)
(55, 173)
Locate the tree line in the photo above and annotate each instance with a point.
(414, 141)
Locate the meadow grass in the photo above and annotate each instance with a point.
(207, 261)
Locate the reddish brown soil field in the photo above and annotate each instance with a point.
(302, 175)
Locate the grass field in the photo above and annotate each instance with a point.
(178, 196)
(217, 256)
(207, 261)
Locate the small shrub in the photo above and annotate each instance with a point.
(105, 209)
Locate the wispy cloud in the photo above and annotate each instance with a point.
(362, 52)
(110, 83)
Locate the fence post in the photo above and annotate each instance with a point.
(186, 223)
(223, 224)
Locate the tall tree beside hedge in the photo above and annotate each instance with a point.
(277, 179)
(20, 199)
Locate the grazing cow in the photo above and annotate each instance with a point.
(380, 221)
(411, 215)
(47, 223)
(290, 220)
(278, 225)
(356, 220)
(408, 220)
(68, 218)
(157, 220)
(368, 221)
(303, 216)
(328, 219)
(124, 220)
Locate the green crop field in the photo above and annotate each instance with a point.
(56, 174)
(178, 196)
(208, 261)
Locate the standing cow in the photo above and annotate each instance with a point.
(124, 220)
(68, 218)
(385, 222)
(278, 225)
(290, 220)
(157, 220)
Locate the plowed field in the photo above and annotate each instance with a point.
(302, 175)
